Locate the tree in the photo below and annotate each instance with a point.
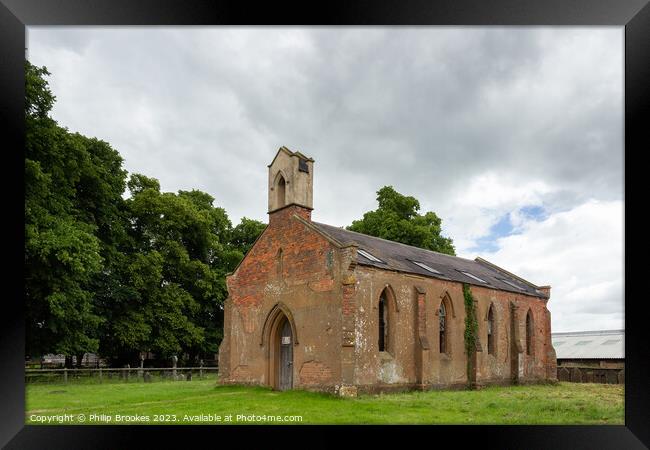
(73, 186)
(173, 285)
(113, 275)
(245, 234)
(397, 219)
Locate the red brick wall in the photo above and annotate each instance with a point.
(315, 373)
(497, 366)
(304, 254)
(308, 285)
(418, 315)
(334, 309)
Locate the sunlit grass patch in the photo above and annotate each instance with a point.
(564, 403)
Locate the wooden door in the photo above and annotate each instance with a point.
(285, 366)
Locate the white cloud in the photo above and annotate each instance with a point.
(487, 198)
(580, 254)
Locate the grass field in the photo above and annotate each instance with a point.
(194, 402)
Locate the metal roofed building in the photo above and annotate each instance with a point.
(590, 356)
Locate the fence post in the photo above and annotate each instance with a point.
(100, 374)
(174, 361)
(201, 370)
(140, 372)
(65, 375)
(128, 371)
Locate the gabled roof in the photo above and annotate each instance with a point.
(605, 344)
(290, 153)
(403, 258)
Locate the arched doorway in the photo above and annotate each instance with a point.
(284, 359)
(279, 337)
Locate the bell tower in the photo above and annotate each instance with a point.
(291, 181)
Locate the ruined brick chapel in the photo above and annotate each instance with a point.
(314, 306)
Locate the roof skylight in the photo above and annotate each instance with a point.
(582, 342)
(511, 284)
(425, 267)
(612, 341)
(367, 255)
(473, 276)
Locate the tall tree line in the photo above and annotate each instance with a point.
(113, 273)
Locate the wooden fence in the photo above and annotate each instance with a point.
(122, 375)
(591, 375)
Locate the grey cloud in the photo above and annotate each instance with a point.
(410, 107)
(429, 110)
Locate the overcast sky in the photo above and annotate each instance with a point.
(513, 136)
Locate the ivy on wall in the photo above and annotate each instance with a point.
(471, 333)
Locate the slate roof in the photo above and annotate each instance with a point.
(400, 257)
(605, 344)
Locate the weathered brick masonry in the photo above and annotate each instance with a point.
(311, 277)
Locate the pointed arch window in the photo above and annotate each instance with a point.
(442, 316)
(281, 191)
(529, 333)
(383, 322)
(490, 331)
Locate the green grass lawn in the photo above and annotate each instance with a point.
(564, 403)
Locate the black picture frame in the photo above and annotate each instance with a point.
(15, 15)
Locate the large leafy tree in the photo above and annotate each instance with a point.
(397, 219)
(174, 276)
(244, 235)
(72, 199)
(116, 275)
